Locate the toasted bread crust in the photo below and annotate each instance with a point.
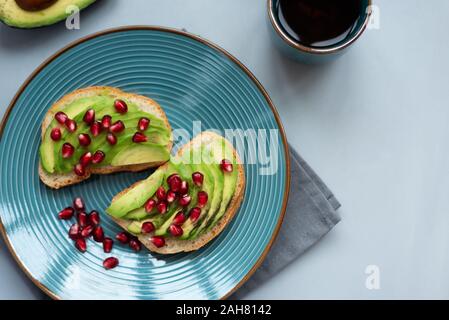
(174, 245)
(57, 181)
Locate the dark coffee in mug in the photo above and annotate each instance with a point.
(319, 23)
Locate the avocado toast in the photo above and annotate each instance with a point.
(186, 202)
(101, 130)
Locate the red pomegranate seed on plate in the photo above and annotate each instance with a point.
(79, 170)
(66, 213)
(55, 134)
(160, 193)
(89, 116)
(83, 219)
(110, 263)
(162, 207)
(158, 241)
(174, 182)
(143, 124)
(171, 196)
(80, 244)
(135, 245)
(194, 214)
(108, 243)
(184, 200)
(94, 218)
(71, 125)
(184, 189)
(139, 137)
(86, 159)
(84, 139)
(117, 126)
(175, 231)
(98, 234)
(197, 178)
(95, 128)
(74, 231)
(111, 139)
(78, 204)
(147, 227)
(226, 165)
(120, 106)
(123, 237)
(179, 219)
(149, 205)
(87, 231)
(61, 117)
(202, 198)
(98, 157)
(106, 122)
(67, 150)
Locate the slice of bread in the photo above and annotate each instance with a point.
(146, 104)
(173, 245)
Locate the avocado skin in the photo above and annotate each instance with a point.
(37, 19)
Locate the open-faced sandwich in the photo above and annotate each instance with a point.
(100, 130)
(186, 202)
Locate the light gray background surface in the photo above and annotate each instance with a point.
(374, 125)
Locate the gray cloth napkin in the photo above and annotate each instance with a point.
(311, 213)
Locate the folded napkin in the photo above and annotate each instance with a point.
(311, 213)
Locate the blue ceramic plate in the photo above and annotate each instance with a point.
(193, 80)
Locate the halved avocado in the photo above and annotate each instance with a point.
(37, 13)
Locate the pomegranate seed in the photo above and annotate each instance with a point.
(89, 116)
(184, 189)
(84, 139)
(162, 207)
(117, 126)
(108, 243)
(85, 159)
(184, 200)
(110, 263)
(79, 170)
(120, 106)
(56, 134)
(98, 234)
(139, 137)
(226, 165)
(197, 178)
(111, 139)
(194, 214)
(158, 241)
(78, 204)
(87, 231)
(66, 213)
(80, 244)
(95, 128)
(74, 231)
(147, 227)
(61, 117)
(106, 122)
(171, 196)
(202, 198)
(179, 219)
(143, 124)
(150, 205)
(175, 231)
(67, 150)
(98, 157)
(83, 219)
(160, 193)
(135, 245)
(94, 218)
(122, 237)
(174, 181)
(71, 125)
